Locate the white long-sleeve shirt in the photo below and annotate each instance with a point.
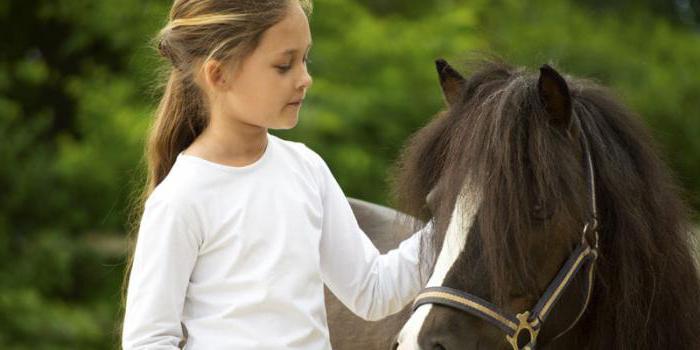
(239, 255)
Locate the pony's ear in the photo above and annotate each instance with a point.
(555, 96)
(450, 80)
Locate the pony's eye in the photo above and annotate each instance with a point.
(542, 212)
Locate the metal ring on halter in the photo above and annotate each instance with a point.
(591, 226)
(523, 325)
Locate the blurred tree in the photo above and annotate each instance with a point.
(408, 9)
(678, 11)
(42, 53)
(72, 119)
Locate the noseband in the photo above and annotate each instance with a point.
(522, 330)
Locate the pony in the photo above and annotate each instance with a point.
(519, 171)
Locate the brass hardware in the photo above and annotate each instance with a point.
(523, 325)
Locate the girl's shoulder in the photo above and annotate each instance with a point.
(299, 156)
(299, 152)
(177, 189)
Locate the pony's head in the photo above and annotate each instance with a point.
(505, 173)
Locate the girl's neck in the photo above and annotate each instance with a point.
(238, 145)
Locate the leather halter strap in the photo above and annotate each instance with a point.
(583, 257)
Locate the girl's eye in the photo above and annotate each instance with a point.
(284, 69)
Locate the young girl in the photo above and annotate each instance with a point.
(241, 229)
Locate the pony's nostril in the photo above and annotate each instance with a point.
(395, 346)
(431, 344)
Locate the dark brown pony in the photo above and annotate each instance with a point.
(511, 140)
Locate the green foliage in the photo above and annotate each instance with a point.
(73, 116)
(78, 90)
(60, 296)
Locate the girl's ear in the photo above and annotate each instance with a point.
(451, 81)
(214, 75)
(554, 94)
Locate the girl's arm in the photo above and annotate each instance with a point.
(166, 251)
(371, 285)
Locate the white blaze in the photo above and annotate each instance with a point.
(452, 246)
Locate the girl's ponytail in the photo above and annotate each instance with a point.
(179, 119)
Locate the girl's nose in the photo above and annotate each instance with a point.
(305, 81)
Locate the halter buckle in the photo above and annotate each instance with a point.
(523, 325)
(591, 226)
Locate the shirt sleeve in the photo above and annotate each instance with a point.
(165, 254)
(371, 285)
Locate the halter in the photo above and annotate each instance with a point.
(522, 330)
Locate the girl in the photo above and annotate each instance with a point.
(240, 229)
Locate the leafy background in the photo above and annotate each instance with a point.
(78, 87)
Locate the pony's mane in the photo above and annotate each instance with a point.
(499, 140)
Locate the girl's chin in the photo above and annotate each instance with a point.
(287, 121)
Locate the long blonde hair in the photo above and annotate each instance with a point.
(197, 31)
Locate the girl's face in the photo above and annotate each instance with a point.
(268, 86)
